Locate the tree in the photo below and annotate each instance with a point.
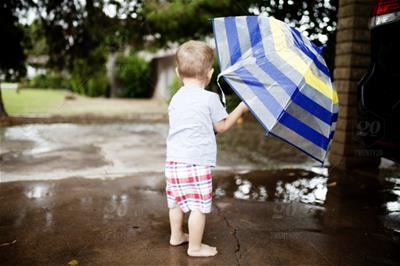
(182, 19)
(11, 50)
(80, 35)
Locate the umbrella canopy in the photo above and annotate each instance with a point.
(282, 77)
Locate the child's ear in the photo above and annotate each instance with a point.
(177, 72)
(210, 73)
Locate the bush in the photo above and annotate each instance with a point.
(89, 80)
(133, 76)
(51, 80)
(89, 74)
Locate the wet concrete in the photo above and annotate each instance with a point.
(125, 222)
(57, 151)
(54, 151)
(272, 206)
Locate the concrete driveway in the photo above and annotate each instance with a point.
(94, 195)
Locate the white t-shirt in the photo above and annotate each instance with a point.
(191, 138)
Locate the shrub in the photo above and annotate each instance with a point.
(51, 80)
(89, 74)
(133, 75)
(89, 80)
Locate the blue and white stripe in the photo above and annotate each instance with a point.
(293, 99)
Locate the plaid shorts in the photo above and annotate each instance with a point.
(189, 186)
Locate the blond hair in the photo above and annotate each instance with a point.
(194, 59)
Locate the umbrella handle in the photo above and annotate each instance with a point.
(222, 92)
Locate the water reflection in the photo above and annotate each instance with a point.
(40, 194)
(392, 193)
(391, 208)
(38, 191)
(246, 190)
(49, 219)
(117, 207)
(304, 190)
(276, 185)
(311, 185)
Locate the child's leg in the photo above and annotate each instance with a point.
(176, 221)
(197, 221)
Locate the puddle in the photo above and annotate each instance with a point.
(391, 203)
(311, 186)
(286, 185)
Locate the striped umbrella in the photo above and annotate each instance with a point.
(282, 78)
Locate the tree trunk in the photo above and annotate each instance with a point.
(3, 112)
(110, 66)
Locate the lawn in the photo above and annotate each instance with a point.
(33, 101)
(53, 102)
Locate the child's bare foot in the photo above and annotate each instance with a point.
(182, 240)
(203, 251)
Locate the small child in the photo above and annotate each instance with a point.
(195, 114)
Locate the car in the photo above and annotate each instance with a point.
(378, 125)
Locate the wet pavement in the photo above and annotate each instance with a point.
(272, 206)
(54, 151)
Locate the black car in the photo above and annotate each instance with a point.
(378, 124)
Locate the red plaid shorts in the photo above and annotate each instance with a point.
(189, 186)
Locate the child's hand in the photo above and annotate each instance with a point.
(243, 107)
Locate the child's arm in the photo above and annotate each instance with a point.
(224, 125)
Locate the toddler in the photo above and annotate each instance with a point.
(195, 114)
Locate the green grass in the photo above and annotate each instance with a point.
(32, 100)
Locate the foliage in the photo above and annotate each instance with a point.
(73, 32)
(89, 76)
(182, 20)
(74, 28)
(174, 87)
(52, 80)
(79, 34)
(93, 84)
(315, 19)
(133, 74)
(35, 39)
